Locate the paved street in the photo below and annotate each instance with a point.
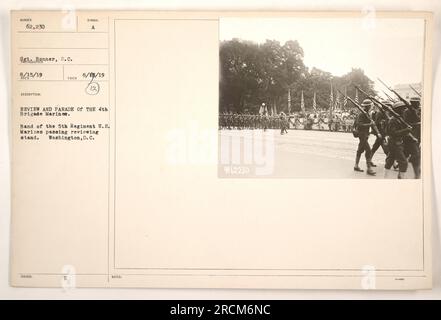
(303, 154)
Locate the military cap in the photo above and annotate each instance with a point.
(388, 103)
(399, 104)
(366, 103)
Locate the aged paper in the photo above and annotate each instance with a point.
(118, 173)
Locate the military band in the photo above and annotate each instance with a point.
(342, 122)
(363, 125)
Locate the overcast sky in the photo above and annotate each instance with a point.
(391, 49)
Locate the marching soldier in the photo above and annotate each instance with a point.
(412, 115)
(396, 132)
(380, 120)
(363, 125)
(330, 123)
(283, 123)
(265, 120)
(412, 142)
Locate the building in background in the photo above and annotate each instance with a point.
(406, 91)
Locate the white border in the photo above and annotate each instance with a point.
(7, 292)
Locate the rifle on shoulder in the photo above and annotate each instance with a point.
(391, 110)
(415, 90)
(359, 107)
(396, 93)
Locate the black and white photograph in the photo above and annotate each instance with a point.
(321, 97)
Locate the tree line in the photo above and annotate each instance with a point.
(252, 74)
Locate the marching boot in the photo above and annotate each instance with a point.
(372, 164)
(400, 175)
(369, 170)
(417, 171)
(357, 160)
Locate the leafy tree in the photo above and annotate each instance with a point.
(238, 72)
(251, 74)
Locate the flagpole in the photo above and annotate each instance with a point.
(345, 99)
(331, 101)
(302, 103)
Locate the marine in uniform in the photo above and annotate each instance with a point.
(283, 123)
(412, 115)
(363, 125)
(397, 132)
(380, 120)
(412, 142)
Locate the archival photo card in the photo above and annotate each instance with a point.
(221, 149)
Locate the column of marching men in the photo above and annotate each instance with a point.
(340, 121)
(396, 126)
